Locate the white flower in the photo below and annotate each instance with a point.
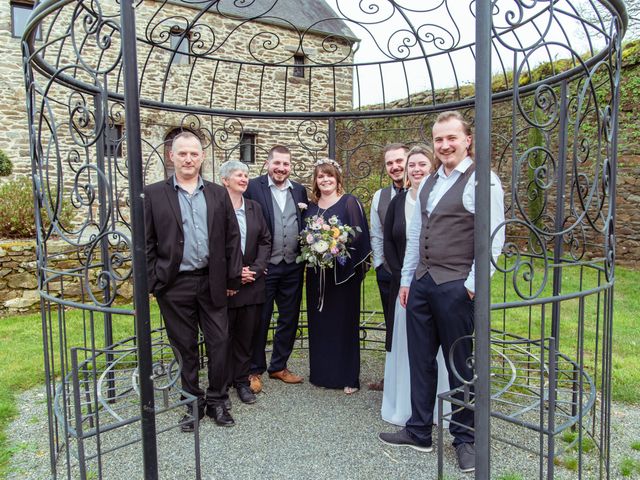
(320, 246)
(302, 206)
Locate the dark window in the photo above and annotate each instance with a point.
(248, 148)
(20, 12)
(298, 66)
(113, 140)
(180, 45)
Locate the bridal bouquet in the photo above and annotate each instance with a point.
(323, 242)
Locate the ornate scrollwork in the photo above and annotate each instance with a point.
(352, 135)
(610, 251)
(95, 37)
(522, 264)
(228, 136)
(312, 137)
(193, 123)
(107, 266)
(507, 15)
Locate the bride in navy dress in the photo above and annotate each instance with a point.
(333, 302)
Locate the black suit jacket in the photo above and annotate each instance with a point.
(259, 191)
(165, 239)
(257, 250)
(394, 241)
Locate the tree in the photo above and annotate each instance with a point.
(586, 10)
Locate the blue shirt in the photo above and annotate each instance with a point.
(193, 208)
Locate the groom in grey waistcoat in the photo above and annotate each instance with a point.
(438, 285)
(282, 202)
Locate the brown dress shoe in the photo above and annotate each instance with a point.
(255, 382)
(286, 376)
(377, 386)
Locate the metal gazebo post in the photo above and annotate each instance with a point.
(141, 295)
(482, 241)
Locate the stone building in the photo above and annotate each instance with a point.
(232, 73)
(212, 61)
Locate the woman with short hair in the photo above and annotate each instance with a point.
(245, 305)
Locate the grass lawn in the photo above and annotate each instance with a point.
(22, 364)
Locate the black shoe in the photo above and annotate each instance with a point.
(187, 423)
(227, 403)
(245, 394)
(466, 453)
(403, 439)
(221, 416)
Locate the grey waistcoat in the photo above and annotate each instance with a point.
(383, 205)
(284, 244)
(446, 236)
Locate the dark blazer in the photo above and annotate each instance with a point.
(259, 191)
(165, 239)
(257, 250)
(394, 241)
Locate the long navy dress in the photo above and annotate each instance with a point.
(334, 348)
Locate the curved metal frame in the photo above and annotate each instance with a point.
(552, 123)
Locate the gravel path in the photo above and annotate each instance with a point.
(298, 432)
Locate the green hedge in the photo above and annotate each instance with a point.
(16, 210)
(6, 166)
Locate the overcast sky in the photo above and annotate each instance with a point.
(454, 24)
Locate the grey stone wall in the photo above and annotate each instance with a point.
(19, 284)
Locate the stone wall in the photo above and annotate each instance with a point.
(628, 211)
(19, 284)
(14, 137)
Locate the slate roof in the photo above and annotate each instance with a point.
(303, 14)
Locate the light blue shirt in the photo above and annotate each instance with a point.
(193, 208)
(442, 186)
(241, 215)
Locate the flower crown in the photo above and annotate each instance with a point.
(329, 161)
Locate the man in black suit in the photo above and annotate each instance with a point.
(245, 307)
(194, 257)
(281, 201)
(395, 159)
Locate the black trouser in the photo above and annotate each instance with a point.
(384, 282)
(283, 284)
(243, 323)
(186, 307)
(438, 315)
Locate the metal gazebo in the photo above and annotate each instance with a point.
(110, 82)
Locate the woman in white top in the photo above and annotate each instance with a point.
(396, 400)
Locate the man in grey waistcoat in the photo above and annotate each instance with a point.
(282, 202)
(438, 284)
(395, 159)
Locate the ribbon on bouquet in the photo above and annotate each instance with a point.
(321, 286)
